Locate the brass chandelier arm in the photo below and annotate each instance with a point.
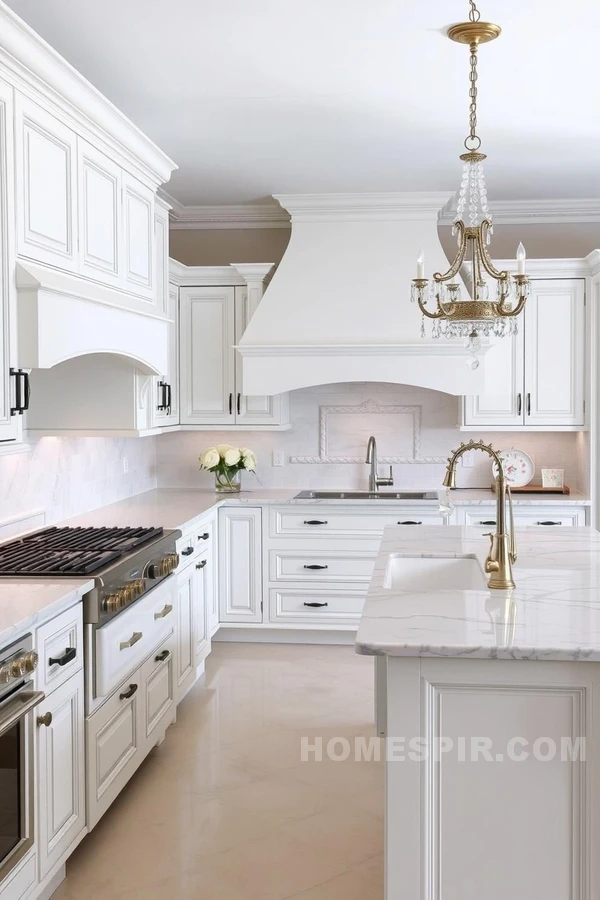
(511, 313)
(488, 265)
(441, 312)
(458, 259)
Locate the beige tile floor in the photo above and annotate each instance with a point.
(226, 810)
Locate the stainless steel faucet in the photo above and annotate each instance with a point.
(375, 482)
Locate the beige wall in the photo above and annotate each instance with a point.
(223, 246)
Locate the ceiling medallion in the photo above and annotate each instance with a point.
(478, 315)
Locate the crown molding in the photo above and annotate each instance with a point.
(234, 275)
(537, 212)
(198, 218)
(365, 207)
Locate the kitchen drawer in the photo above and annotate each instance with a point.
(115, 745)
(157, 684)
(59, 644)
(320, 565)
(194, 542)
(289, 521)
(319, 605)
(485, 520)
(123, 644)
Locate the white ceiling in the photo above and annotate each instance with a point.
(256, 97)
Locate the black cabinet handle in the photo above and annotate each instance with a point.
(519, 403)
(316, 604)
(314, 522)
(127, 695)
(16, 409)
(204, 537)
(169, 397)
(163, 395)
(488, 522)
(187, 551)
(161, 657)
(26, 391)
(201, 565)
(548, 523)
(67, 657)
(230, 404)
(239, 404)
(316, 567)
(528, 404)
(410, 523)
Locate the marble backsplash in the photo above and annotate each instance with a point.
(67, 476)
(415, 429)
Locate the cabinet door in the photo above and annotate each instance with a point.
(10, 425)
(555, 353)
(46, 186)
(202, 598)
(158, 692)
(185, 668)
(253, 410)
(99, 214)
(138, 238)
(61, 766)
(207, 371)
(240, 568)
(166, 387)
(502, 403)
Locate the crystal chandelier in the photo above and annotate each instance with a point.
(480, 314)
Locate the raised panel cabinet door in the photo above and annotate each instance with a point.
(202, 597)
(159, 689)
(166, 387)
(46, 186)
(555, 353)
(161, 256)
(138, 238)
(502, 402)
(10, 425)
(61, 766)
(185, 669)
(240, 565)
(207, 372)
(252, 410)
(99, 214)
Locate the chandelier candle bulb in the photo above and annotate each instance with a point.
(421, 264)
(521, 257)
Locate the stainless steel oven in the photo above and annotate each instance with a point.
(17, 701)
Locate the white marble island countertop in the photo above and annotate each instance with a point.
(552, 614)
(27, 602)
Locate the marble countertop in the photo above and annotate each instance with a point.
(26, 603)
(552, 614)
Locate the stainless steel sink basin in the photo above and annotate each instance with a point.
(365, 495)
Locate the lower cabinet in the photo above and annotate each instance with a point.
(240, 564)
(61, 771)
(196, 600)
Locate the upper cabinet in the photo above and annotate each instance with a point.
(138, 237)
(536, 380)
(99, 214)
(46, 186)
(212, 321)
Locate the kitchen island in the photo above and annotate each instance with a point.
(490, 702)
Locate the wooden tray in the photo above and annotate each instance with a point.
(536, 489)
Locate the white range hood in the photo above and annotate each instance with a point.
(63, 316)
(338, 308)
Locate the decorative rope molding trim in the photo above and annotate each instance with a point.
(368, 407)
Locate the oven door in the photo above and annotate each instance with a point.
(16, 777)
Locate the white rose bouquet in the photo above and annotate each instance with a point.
(227, 463)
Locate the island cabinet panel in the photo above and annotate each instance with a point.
(240, 565)
(508, 803)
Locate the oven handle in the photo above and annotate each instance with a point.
(18, 708)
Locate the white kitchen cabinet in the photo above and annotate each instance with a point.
(207, 324)
(537, 379)
(99, 197)
(185, 668)
(240, 564)
(46, 186)
(11, 423)
(196, 603)
(203, 593)
(61, 771)
(165, 401)
(158, 691)
(138, 237)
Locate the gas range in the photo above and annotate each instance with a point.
(125, 563)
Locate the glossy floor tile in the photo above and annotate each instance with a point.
(225, 808)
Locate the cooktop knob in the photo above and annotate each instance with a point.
(6, 675)
(18, 667)
(30, 661)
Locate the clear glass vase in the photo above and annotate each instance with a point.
(228, 482)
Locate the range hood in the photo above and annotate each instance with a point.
(338, 307)
(63, 316)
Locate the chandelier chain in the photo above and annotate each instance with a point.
(473, 142)
(474, 14)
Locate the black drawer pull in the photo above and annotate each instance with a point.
(488, 522)
(316, 604)
(204, 537)
(410, 523)
(201, 565)
(314, 522)
(127, 695)
(548, 523)
(162, 656)
(316, 567)
(188, 551)
(67, 657)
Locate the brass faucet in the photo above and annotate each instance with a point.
(503, 547)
